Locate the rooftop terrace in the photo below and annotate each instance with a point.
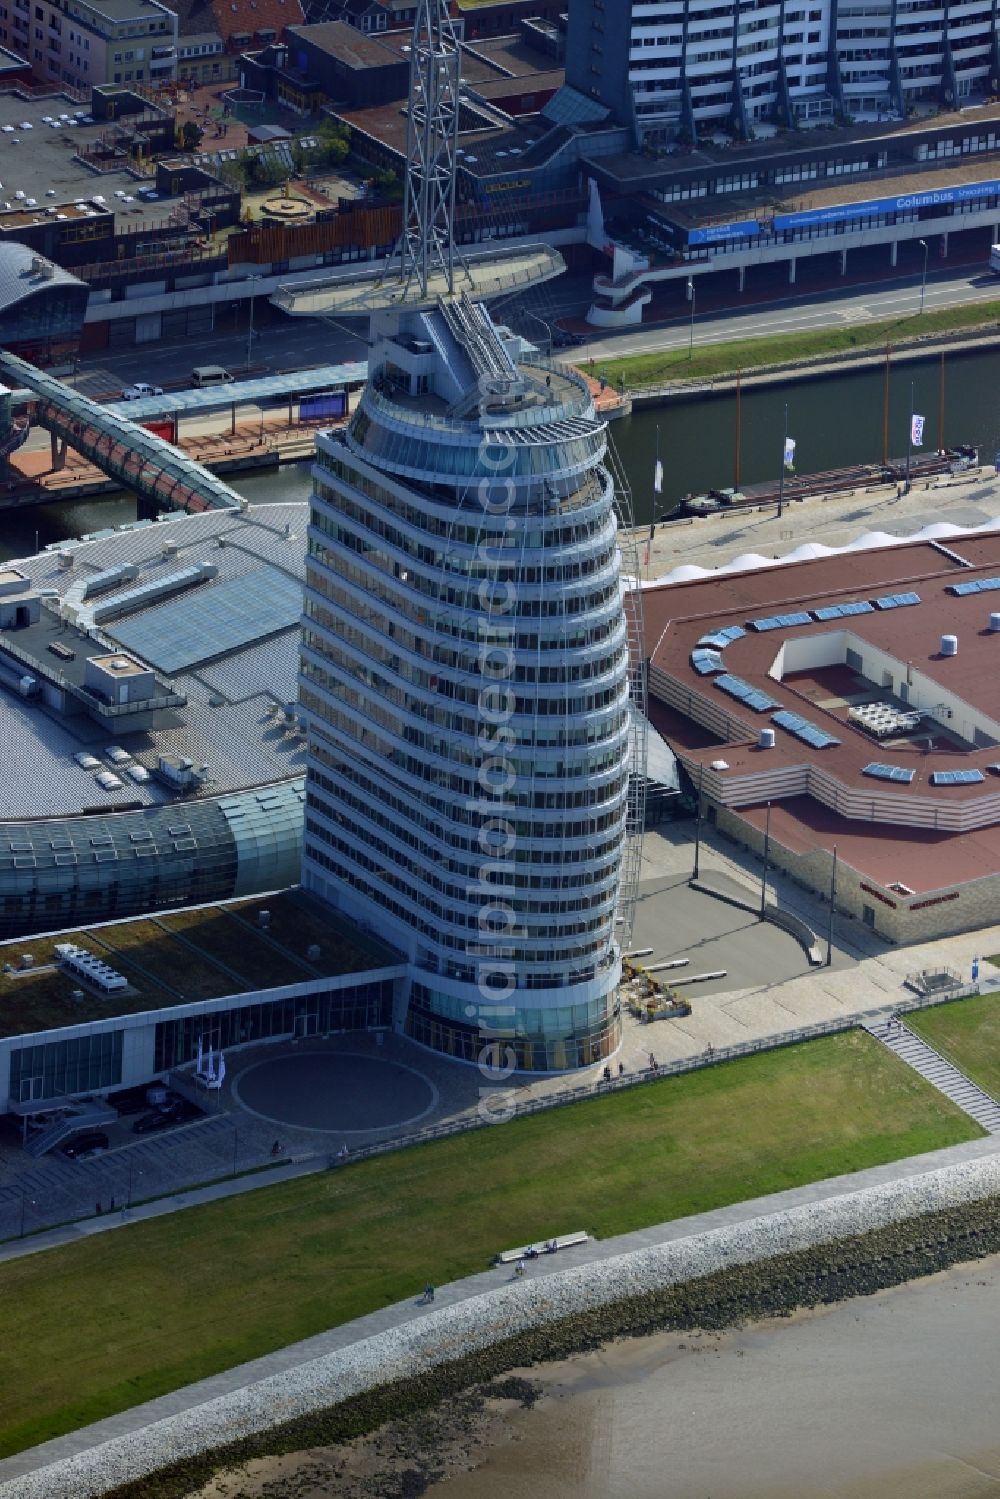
(38, 142)
(206, 953)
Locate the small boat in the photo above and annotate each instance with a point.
(700, 504)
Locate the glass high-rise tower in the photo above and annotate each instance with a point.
(465, 678)
(473, 758)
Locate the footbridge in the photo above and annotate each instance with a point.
(152, 468)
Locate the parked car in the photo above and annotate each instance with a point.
(176, 1111)
(210, 374)
(90, 1142)
(139, 391)
(131, 1100)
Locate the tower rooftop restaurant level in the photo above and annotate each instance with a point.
(482, 276)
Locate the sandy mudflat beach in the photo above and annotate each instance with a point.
(892, 1395)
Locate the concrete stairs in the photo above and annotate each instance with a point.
(90, 1116)
(940, 1074)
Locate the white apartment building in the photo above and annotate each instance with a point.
(672, 67)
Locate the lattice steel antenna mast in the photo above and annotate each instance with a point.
(427, 243)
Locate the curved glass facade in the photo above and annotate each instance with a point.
(465, 679)
(69, 872)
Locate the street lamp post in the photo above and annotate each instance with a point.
(693, 300)
(253, 293)
(767, 853)
(923, 283)
(833, 902)
(697, 825)
(781, 475)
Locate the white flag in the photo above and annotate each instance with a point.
(658, 477)
(917, 431)
(789, 452)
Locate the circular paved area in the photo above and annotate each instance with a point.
(335, 1092)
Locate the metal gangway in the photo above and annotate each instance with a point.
(122, 449)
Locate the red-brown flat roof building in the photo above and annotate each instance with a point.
(859, 696)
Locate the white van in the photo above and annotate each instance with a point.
(210, 374)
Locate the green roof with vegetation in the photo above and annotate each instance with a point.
(179, 957)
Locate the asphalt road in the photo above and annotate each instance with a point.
(296, 343)
(859, 304)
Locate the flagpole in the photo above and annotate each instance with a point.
(909, 442)
(739, 431)
(781, 476)
(885, 404)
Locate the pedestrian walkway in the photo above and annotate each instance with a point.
(931, 1065)
(121, 1214)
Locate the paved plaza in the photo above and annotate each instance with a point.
(335, 1092)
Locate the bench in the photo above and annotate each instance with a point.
(561, 1241)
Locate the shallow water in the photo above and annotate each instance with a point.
(894, 1395)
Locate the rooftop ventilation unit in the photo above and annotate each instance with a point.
(134, 599)
(765, 740)
(104, 581)
(87, 965)
(994, 625)
(949, 645)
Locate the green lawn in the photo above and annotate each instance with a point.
(967, 1032)
(101, 1325)
(673, 365)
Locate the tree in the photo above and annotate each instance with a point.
(191, 135)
